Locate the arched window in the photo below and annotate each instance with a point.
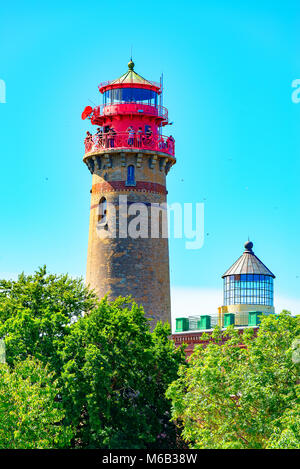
(130, 175)
(102, 210)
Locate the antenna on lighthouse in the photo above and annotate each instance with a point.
(161, 98)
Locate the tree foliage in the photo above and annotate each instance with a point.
(106, 372)
(30, 417)
(286, 434)
(88, 374)
(36, 312)
(115, 376)
(233, 396)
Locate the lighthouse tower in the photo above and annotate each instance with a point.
(129, 159)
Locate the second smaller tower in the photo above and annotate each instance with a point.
(248, 290)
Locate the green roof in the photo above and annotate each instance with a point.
(132, 77)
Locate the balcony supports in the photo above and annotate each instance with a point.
(99, 161)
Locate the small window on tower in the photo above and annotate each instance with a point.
(102, 209)
(130, 175)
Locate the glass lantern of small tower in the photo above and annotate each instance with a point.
(248, 290)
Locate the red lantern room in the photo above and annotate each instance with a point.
(131, 116)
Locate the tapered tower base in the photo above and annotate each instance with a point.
(119, 264)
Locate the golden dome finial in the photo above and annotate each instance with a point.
(131, 65)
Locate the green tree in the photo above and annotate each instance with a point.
(30, 417)
(36, 312)
(286, 433)
(115, 376)
(233, 396)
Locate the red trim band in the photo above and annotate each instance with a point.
(113, 186)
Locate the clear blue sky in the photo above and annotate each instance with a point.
(228, 70)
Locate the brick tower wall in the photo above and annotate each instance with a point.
(127, 266)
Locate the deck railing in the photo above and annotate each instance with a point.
(130, 108)
(115, 82)
(125, 140)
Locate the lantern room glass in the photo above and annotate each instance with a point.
(248, 289)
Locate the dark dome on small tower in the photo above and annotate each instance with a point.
(248, 246)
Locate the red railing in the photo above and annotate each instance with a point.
(130, 108)
(124, 140)
(117, 82)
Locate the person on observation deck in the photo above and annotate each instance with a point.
(161, 143)
(111, 137)
(131, 133)
(139, 134)
(88, 136)
(99, 134)
(88, 141)
(170, 144)
(148, 135)
(148, 132)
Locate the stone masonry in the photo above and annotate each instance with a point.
(136, 266)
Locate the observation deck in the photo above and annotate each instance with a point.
(130, 120)
(123, 140)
